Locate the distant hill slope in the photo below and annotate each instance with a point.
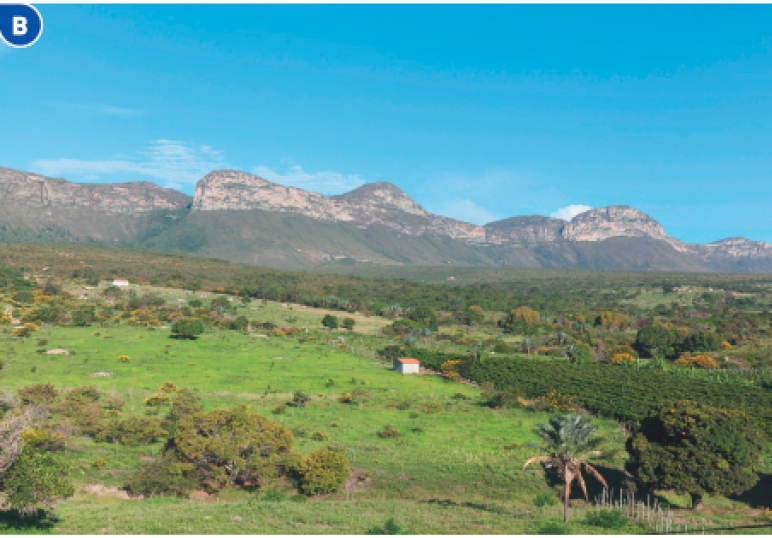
(245, 218)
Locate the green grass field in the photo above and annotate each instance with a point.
(461, 474)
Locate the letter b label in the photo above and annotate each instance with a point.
(20, 24)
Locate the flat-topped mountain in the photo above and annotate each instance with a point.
(243, 217)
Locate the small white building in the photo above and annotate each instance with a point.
(120, 283)
(407, 365)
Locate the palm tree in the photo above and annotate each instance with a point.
(564, 440)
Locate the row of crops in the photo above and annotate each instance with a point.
(625, 394)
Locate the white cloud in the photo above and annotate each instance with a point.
(569, 212)
(327, 182)
(99, 109)
(171, 162)
(465, 210)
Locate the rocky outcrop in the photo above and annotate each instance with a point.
(617, 221)
(736, 247)
(524, 231)
(133, 198)
(375, 204)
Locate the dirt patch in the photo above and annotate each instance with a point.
(57, 352)
(101, 374)
(200, 495)
(249, 396)
(100, 490)
(358, 480)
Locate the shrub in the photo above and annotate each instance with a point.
(43, 342)
(319, 436)
(699, 361)
(389, 432)
(43, 440)
(38, 394)
(545, 499)
(36, 479)
(124, 358)
(300, 399)
(185, 404)
(132, 430)
(623, 359)
(330, 321)
(168, 387)
(233, 447)
(607, 519)
(188, 328)
(157, 400)
(273, 495)
(280, 409)
(114, 403)
(322, 472)
(554, 527)
(345, 398)
(390, 527)
(161, 476)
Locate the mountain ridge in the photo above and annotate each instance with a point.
(243, 217)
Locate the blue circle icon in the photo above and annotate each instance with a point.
(20, 25)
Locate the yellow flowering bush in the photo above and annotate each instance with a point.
(124, 358)
(98, 463)
(450, 370)
(168, 387)
(157, 400)
(623, 358)
(698, 361)
(556, 401)
(43, 440)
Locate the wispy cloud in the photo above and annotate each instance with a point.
(465, 210)
(326, 182)
(569, 212)
(172, 162)
(99, 109)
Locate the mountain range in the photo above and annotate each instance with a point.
(245, 218)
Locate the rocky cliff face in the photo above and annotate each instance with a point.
(376, 204)
(134, 198)
(524, 231)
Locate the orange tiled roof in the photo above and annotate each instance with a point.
(409, 360)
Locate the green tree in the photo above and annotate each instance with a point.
(330, 321)
(655, 340)
(565, 438)
(701, 342)
(697, 449)
(349, 323)
(188, 328)
(579, 353)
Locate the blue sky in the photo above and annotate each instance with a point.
(477, 112)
